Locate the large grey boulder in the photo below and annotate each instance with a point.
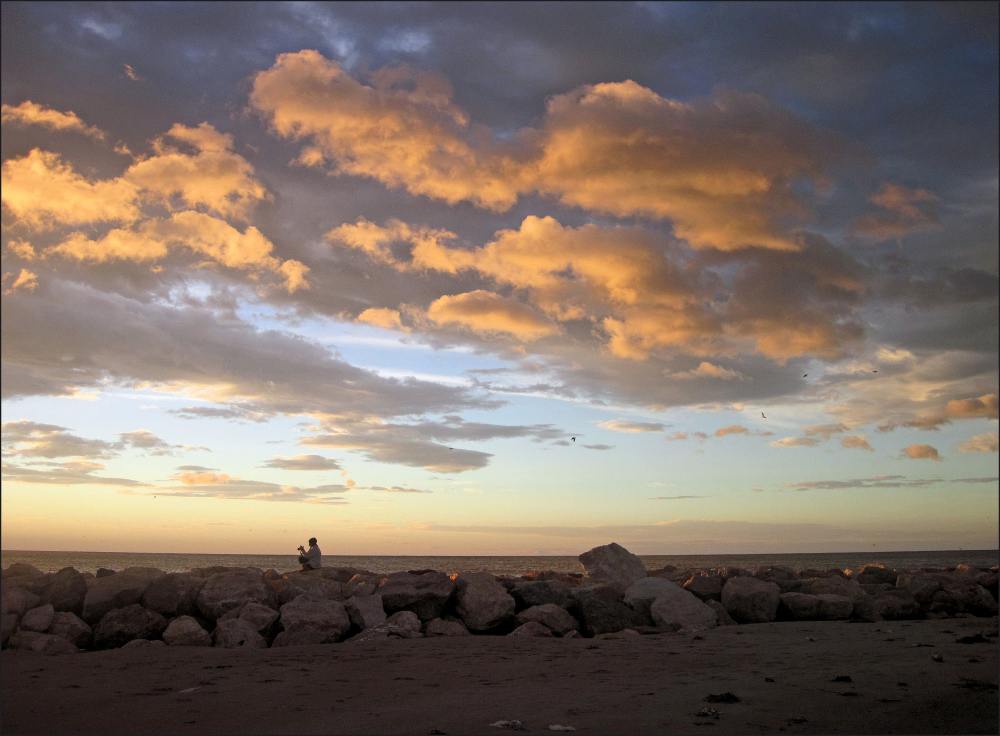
(556, 618)
(706, 587)
(404, 623)
(38, 619)
(602, 610)
(185, 631)
(532, 628)
(122, 625)
(876, 574)
(7, 627)
(720, 610)
(311, 582)
(425, 595)
(18, 601)
(678, 609)
(440, 627)
(365, 611)
(640, 595)
(37, 642)
(613, 563)
(322, 619)
(538, 593)
(823, 607)
(225, 591)
(22, 570)
(481, 602)
(237, 633)
(751, 601)
(920, 585)
(72, 628)
(175, 594)
(260, 617)
(893, 605)
(66, 591)
(117, 591)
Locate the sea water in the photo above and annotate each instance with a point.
(514, 565)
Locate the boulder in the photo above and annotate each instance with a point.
(8, 627)
(324, 620)
(963, 597)
(640, 595)
(751, 601)
(705, 587)
(573, 635)
(365, 611)
(532, 628)
(835, 585)
(403, 623)
(122, 625)
(103, 572)
(260, 617)
(34, 584)
(613, 563)
(175, 594)
(425, 595)
(22, 570)
(775, 573)
(143, 644)
(895, 605)
(225, 591)
(311, 582)
(823, 607)
(876, 574)
(18, 601)
(66, 591)
(376, 633)
(440, 627)
(237, 633)
(362, 585)
(185, 631)
(556, 618)
(117, 591)
(38, 619)
(678, 609)
(724, 619)
(37, 642)
(539, 593)
(602, 611)
(481, 602)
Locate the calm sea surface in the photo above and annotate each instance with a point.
(91, 561)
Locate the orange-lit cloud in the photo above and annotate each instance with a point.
(904, 210)
(795, 442)
(920, 452)
(708, 370)
(857, 442)
(203, 479)
(721, 169)
(486, 312)
(25, 280)
(984, 407)
(30, 113)
(731, 429)
(620, 425)
(388, 319)
(981, 443)
(825, 430)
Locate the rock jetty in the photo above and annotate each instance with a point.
(615, 596)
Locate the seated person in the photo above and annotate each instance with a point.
(310, 559)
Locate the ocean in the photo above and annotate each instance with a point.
(174, 562)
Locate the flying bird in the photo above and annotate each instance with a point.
(804, 375)
(874, 371)
(573, 438)
(762, 414)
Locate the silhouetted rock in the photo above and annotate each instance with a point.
(679, 609)
(36, 642)
(481, 602)
(66, 591)
(425, 595)
(365, 611)
(556, 618)
(237, 633)
(319, 616)
(175, 594)
(602, 610)
(72, 628)
(613, 563)
(121, 625)
(538, 593)
(751, 601)
(440, 627)
(117, 591)
(38, 619)
(18, 601)
(185, 631)
(531, 628)
(227, 590)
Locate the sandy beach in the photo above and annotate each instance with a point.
(783, 673)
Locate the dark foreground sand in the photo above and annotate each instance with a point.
(651, 684)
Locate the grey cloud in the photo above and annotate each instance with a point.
(194, 468)
(49, 441)
(887, 481)
(68, 473)
(396, 489)
(994, 479)
(254, 490)
(674, 498)
(145, 440)
(229, 411)
(599, 447)
(302, 462)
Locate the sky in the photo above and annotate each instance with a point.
(499, 279)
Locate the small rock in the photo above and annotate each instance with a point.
(937, 658)
(533, 628)
(440, 627)
(237, 633)
(186, 632)
(38, 619)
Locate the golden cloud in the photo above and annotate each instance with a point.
(905, 210)
(388, 319)
(26, 280)
(721, 169)
(486, 312)
(920, 452)
(30, 113)
(795, 442)
(857, 442)
(985, 407)
(989, 442)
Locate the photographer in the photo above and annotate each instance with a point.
(310, 559)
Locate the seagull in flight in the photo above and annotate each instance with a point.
(804, 375)
(762, 414)
(573, 438)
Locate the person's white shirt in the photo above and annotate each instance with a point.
(314, 556)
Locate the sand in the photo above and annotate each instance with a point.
(648, 684)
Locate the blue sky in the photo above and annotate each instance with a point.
(286, 270)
